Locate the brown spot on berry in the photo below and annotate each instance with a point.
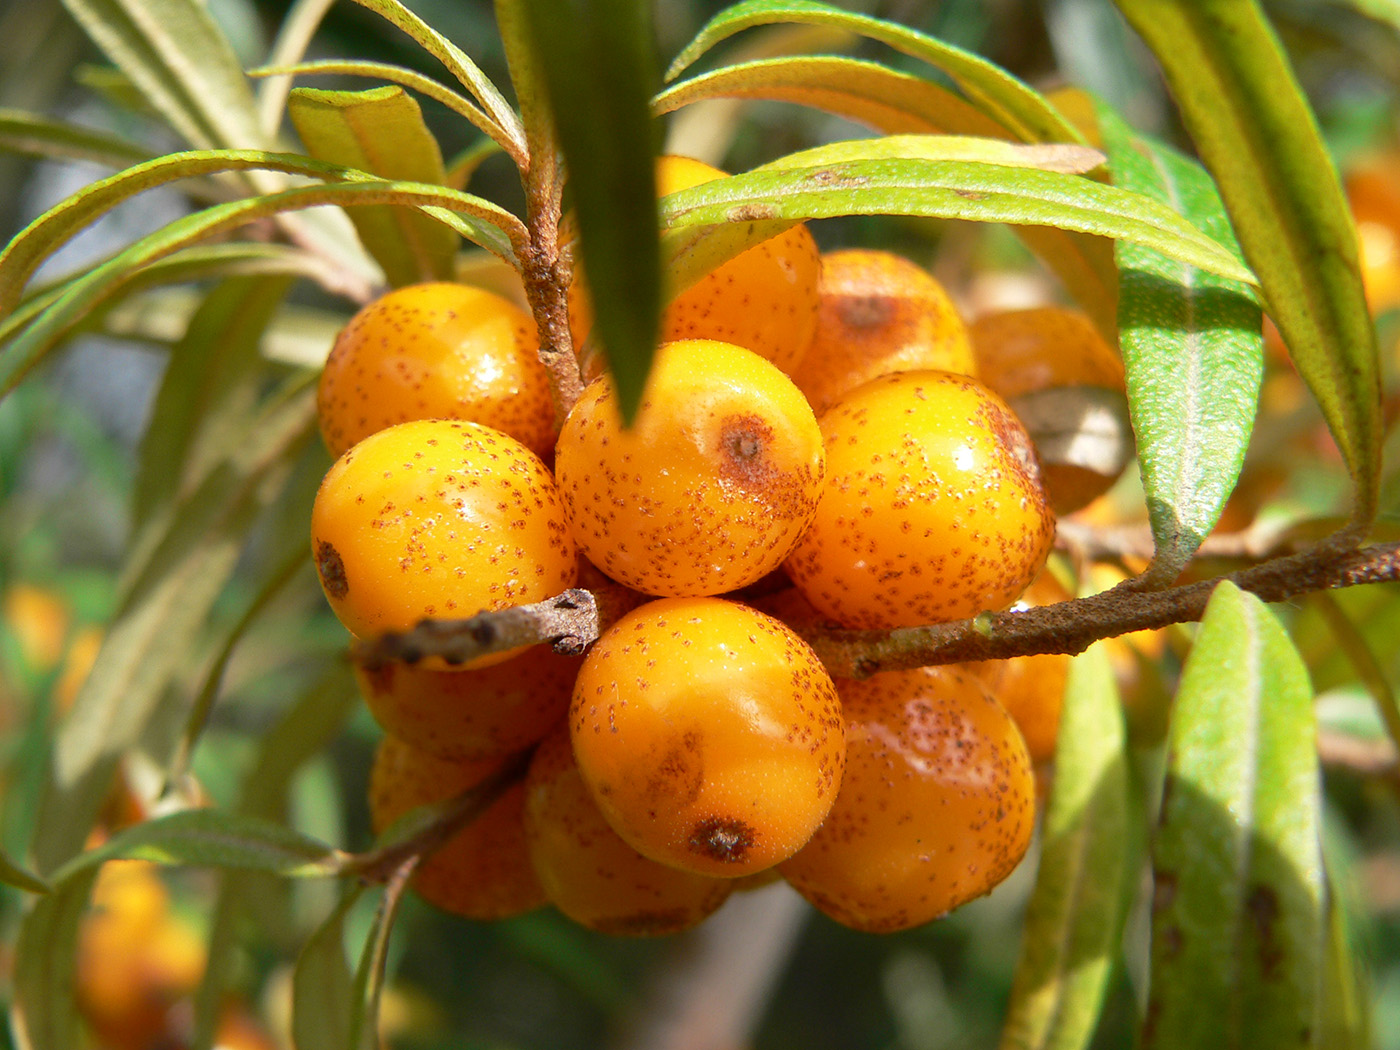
(332, 570)
(718, 838)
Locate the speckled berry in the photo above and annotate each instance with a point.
(588, 872)
(932, 509)
(764, 299)
(438, 519)
(711, 486)
(879, 313)
(709, 734)
(936, 808)
(475, 713)
(484, 871)
(436, 351)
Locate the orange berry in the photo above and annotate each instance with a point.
(436, 351)
(1031, 688)
(709, 734)
(588, 872)
(764, 299)
(438, 519)
(709, 488)
(937, 806)
(483, 872)
(932, 509)
(476, 713)
(879, 313)
(1022, 352)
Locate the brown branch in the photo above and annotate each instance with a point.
(1071, 627)
(573, 620)
(439, 824)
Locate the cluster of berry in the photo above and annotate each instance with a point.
(811, 420)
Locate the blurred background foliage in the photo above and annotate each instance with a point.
(69, 442)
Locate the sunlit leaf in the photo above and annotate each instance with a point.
(1238, 925)
(1017, 107)
(408, 78)
(1088, 866)
(609, 141)
(884, 99)
(472, 217)
(381, 131)
(1256, 133)
(175, 54)
(711, 223)
(294, 36)
(1193, 347)
(456, 61)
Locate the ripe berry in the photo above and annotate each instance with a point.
(764, 299)
(477, 713)
(936, 808)
(483, 872)
(879, 313)
(709, 734)
(932, 508)
(437, 518)
(588, 872)
(1031, 688)
(709, 488)
(436, 351)
(1023, 352)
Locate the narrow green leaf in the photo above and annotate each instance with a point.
(294, 36)
(44, 1014)
(323, 988)
(1074, 923)
(609, 140)
(1238, 925)
(468, 74)
(13, 875)
(408, 78)
(381, 131)
(1257, 135)
(176, 55)
(1347, 1003)
(462, 167)
(171, 579)
(883, 99)
(1193, 347)
(369, 974)
(474, 218)
(40, 136)
(1014, 105)
(211, 382)
(1067, 158)
(210, 838)
(22, 256)
(713, 222)
(230, 259)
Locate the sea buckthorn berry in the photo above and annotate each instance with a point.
(1022, 352)
(1031, 688)
(438, 519)
(709, 488)
(879, 313)
(588, 872)
(436, 351)
(477, 713)
(932, 508)
(482, 872)
(764, 299)
(936, 808)
(709, 734)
